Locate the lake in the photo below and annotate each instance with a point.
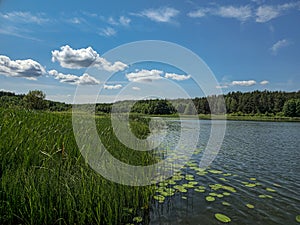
(254, 179)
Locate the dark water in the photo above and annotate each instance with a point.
(266, 151)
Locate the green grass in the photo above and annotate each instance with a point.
(45, 180)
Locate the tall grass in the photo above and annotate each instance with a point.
(45, 180)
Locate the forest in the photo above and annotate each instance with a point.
(268, 103)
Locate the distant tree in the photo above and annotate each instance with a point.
(35, 100)
(289, 107)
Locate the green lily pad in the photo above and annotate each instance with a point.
(228, 188)
(210, 198)
(227, 174)
(223, 218)
(187, 185)
(189, 177)
(298, 218)
(199, 190)
(215, 171)
(182, 190)
(250, 206)
(250, 185)
(159, 198)
(252, 178)
(137, 219)
(226, 193)
(213, 194)
(220, 195)
(226, 203)
(270, 190)
(184, 197)
(223, 179)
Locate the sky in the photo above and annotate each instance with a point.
(56, 46)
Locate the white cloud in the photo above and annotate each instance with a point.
(24, 17)
(261, 14)
(278, 45)
(221, 86)
(27, 68)
(241, 13)
(82, 58)
(124, 21)
(112, 87)
(85, 79)
(198, 13)
(266, 13)
(264, 82)
(144, 75)
(177, 77)
(164, 15)
(136, 88)
(75, 20)
(108, 32)
(246, 83)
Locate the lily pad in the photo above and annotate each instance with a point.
(199, 190)
(137, 219)
(226, 193)
(223, 218)
(215, 171)
(250, 206)
(250, 185)
(184, 197)
(298, 218)
(252, 178)
(226, 203)
(270, 190)
(210, 199)
(213, 194)
(159, 198)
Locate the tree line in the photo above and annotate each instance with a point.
(236, 103)
(34, 99)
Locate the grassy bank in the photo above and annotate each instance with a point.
(252, 118)
(236, 117)
(45, 180)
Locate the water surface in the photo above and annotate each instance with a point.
(260, 160)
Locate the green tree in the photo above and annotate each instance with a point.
(289, 108)
(35, 100)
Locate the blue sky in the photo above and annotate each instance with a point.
(48, 45)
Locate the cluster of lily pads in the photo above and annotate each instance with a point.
(187, 179)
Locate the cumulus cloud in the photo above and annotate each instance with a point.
(82, 58)
(24, 17)
(27, 68)
(264, 82)
(144, 75)
(163, 15)
(245, 83)
(85, 79)
(278, 45)
(112, 87)
(177, 77)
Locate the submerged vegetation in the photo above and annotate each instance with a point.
(45, 180)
